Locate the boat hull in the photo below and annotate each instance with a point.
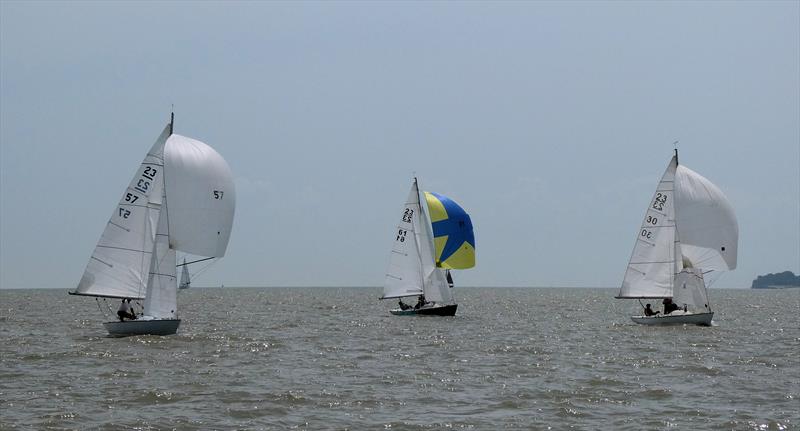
(443, 310)
(700, 319)
(142, 327)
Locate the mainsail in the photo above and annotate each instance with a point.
(120, 264)
(404, 276)
(652, 265)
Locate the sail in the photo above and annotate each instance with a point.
(185, 280)
(404, 276)
(120, 263)
(707, 226)
(201, 197)
(452, 232)
(161, 300)
(690, 291)
(652, 265)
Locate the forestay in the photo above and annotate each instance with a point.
(120, 263)
(201, 197)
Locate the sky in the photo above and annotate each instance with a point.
(549, 122)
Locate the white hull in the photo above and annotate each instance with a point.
(142, 327)
(675, 318)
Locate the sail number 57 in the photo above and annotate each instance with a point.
(218, 194)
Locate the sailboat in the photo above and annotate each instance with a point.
(182, 198)
(430, 239)
(689, 231)
(186, 282)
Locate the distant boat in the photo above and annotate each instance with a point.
(181, 198)
(430, 240)
(186, 282)
(689, 230)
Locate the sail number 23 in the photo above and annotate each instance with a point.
(659, 201)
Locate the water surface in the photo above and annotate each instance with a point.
(329, 358)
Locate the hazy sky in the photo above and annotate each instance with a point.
(549, 122)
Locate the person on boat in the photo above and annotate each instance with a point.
(669, 306)
(125, 311)
(649, 311)
(403, 305)
(421, 302)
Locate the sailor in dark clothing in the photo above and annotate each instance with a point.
(403, 305)
(669, 306)
(420, 302)
(649, 311)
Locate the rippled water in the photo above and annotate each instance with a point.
(326, 358)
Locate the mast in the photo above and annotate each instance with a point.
(420, 225)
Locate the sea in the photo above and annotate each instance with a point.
(335, 359)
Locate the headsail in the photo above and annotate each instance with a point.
(201, 197)
(161, 301)
(452, 233)
(707, 226)
(120, 263)
(652, 265)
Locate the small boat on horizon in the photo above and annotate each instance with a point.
(689, 231)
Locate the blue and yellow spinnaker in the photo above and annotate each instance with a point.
(452, 233)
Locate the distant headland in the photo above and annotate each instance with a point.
(781, 280)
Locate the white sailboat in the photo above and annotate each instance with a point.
(186, 282)
(181, 198)
(420, 258)
(689, 231)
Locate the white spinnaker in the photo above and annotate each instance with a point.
(707, 226)
(120, 263)
(690, 291)
(185, 280)
(161, 301)
(652, 266)
(435, 282)
(201, 195)
(404, 276)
